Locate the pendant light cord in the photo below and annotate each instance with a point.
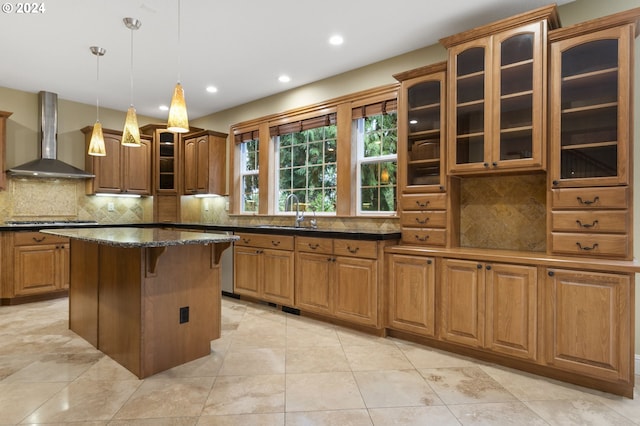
(98, 87)
(131, 69)
(179, 50)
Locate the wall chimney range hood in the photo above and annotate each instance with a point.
(48, 166)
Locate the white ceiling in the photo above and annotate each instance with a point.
(239, 46)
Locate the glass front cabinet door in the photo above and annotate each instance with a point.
(420, 129)
(497, 100)
(590, 108)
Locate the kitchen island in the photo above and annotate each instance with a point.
(147, 297)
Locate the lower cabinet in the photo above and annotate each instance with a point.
(588, 323)
(35, 264)
(412, 303)
(263, 267)
(490, 305)
(338, 278)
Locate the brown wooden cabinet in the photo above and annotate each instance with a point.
(4, 115)
(490, 305)
(412, 303)
(588, 321)
(338, 278)
(35, 266)
(263, 267)
(123, 170)
(205, 155)
(497, 104)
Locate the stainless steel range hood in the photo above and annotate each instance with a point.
(48, 166)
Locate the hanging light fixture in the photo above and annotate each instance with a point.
(96, 145)
(178, 120)
(131, 132)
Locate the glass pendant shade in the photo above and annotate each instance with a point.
(96, 145)
(178, 120)
(131, 132)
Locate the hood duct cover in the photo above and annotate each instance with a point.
(48, 166)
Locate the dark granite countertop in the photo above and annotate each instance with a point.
(352, 234)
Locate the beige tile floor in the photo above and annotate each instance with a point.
(271, 368)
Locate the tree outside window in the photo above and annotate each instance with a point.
(307, 167)
(377, 163)
(249, 169)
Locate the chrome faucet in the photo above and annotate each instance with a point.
(287, 206)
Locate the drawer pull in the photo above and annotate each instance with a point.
(246, 240)
(587, 248)
(422, 239)
(39, 240)
(422, 221)
(422, 204)
(353, 250)
(586, 225)
(588, 202)
(275, 243)
(313, 246)
(259, 251)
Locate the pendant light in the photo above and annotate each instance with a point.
(96, 145)
(131, 132)
(178, 120)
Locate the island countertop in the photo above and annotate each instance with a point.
(141, 237)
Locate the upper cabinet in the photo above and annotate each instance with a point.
(497, 95)
(205, 158)
(421, 134)
(123, 170)
(590, 116)
(3, 133)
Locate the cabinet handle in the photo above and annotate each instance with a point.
(586, 225)
(259, 251)
(588, 202)
(246, 240)
(275, 243)
(39, 240)
(313, 246)
(429, 262)
(587, 248)
(551, 273)
(353, 250)
(422, 204)
(331, 259)
(422, 239)
(422, 221)
(488, 267)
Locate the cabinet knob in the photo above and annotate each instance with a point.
(429, 261)
(555, 183)
(494, 164)
(486, 164)
(488, 267)
(479, 266)
(551, 273)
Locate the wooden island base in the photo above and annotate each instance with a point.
(148, 308)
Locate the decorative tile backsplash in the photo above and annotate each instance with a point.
(503, 212)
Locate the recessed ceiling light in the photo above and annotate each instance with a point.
(163, 108)
(336, 40)
(284, 79)
(413, 121)
(212, 89)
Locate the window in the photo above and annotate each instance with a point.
(249, 169)
(376, 137)
(306, 159)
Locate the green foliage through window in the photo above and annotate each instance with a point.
(249, 169)
(307, 167)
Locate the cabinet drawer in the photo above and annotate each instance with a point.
(37, 238)
(612, 245)
(423, 202)
(281, 242)
(355, 248)
(431, 219)
(427, 236)
(314, 245)
(590, 221)
(590, 198)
